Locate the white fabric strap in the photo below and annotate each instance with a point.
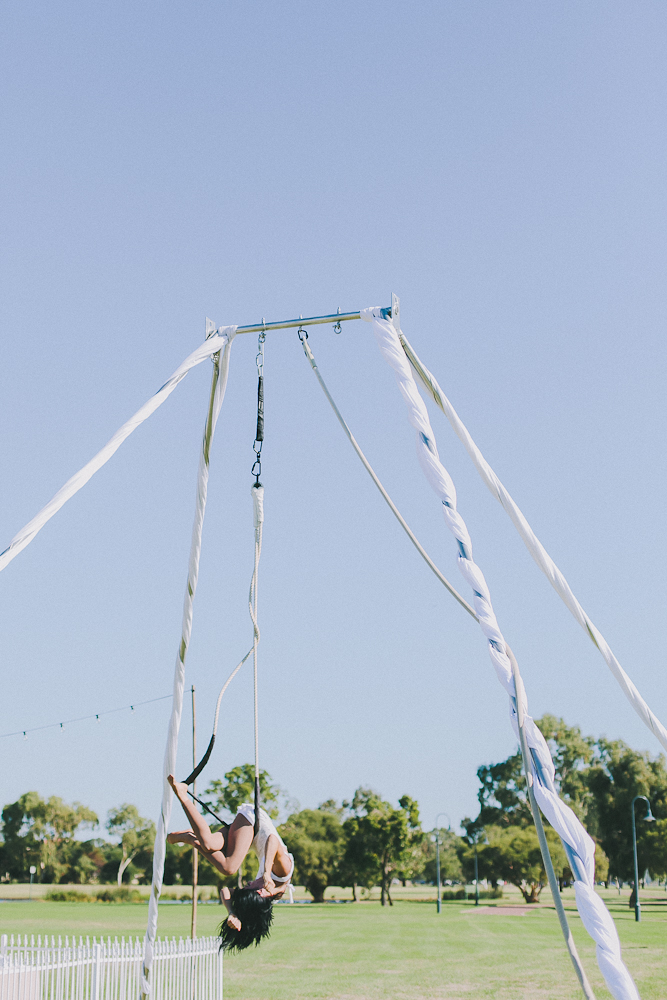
(580, 847)
(218, 388)
(80, 478)
(535, 547)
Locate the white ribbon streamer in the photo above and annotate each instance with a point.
(159, 851)
(80, 478)
(535, 547)
(578, 844)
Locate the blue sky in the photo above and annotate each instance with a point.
(501, 167)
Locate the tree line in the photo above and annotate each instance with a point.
(367, 841)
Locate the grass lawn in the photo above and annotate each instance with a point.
(365, 952)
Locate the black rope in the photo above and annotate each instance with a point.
(207, 808)
(202, 763)
(257, 805)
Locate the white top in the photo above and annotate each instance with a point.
(266, 828)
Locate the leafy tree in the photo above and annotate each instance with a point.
(316, 839)
(178, 866)
(598, 779)
(513, 854)
(41, 832)
(502, 797)
(379, 839)
(617, 775)
(239, 787)
(137, 835)
(572, 755)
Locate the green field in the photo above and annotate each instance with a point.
(364, 952)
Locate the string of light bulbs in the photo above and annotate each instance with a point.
(84, 718)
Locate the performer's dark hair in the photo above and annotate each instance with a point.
(255, 913)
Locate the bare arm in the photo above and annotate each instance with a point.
(232, 920)
(271, 849)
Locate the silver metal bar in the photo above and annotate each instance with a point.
(307, 321)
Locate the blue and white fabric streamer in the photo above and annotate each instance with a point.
(578, 844)
(222, 339)
(536, 549)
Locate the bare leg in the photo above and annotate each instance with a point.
(239, 836)
(200, 828)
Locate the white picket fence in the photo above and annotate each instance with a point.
(64, 969)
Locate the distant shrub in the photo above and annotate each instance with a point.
(462, 894)
(121, 894)
(69, 896)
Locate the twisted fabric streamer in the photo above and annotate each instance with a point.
(223, 338)
(535, 547)
(578, 844)
(211, 346)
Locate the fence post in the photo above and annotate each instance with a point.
(219, 996)
(3, 946)
(97, 971)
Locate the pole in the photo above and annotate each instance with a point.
(437, 855)
(638, 909)
(476, 875)
(437, 864)
(649, 817)
(195, 855)
(541, 836)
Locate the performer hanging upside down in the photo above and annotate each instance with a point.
(250, 909)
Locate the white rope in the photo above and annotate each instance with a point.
(580, 846)
(258, 518)
(218, 387)
(224, 688)
(535, 547)
(80, 478)
(390, 503)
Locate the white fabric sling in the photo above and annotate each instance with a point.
(535, 547)
(579, 846)
(22, 538)
(159, 851)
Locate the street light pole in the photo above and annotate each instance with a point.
(437, 853)
(648, 818)
(476, 875)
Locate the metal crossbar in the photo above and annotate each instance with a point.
(67, 969)
(286, 324)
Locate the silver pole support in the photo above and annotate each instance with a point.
(541, 836)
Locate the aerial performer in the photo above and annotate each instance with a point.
(250, 907)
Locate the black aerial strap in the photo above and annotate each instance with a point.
(207, 808)
(202, 764)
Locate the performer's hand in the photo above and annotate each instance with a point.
(269, 884)
(234, 922)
